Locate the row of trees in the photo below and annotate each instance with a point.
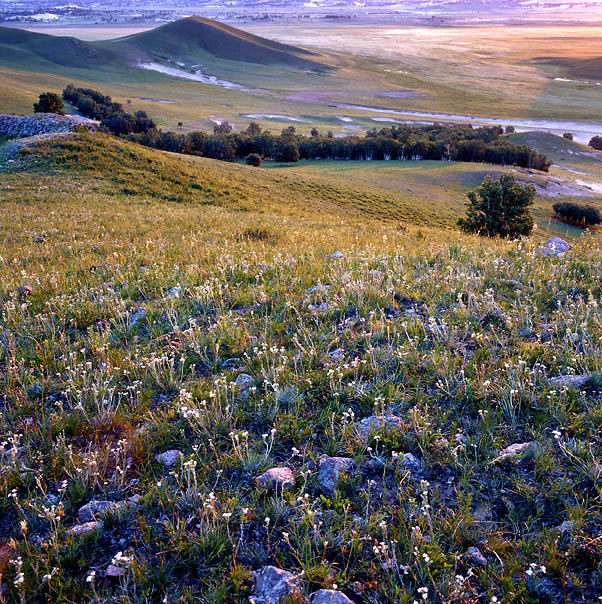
(437, 142)
(113, 118)
(404, 142)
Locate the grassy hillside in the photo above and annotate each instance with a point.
(430, 193)
(28, 50)
(221, 327)
(193, 38)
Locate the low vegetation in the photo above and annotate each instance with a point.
(49, 102)
(577, 214)
(161, 356)
(500, 208)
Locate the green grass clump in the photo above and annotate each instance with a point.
(141, 314)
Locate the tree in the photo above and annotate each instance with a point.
(254, 159)
(315, 132)
(49, 102)
(222, 129)
(499, 208)
(120, 123)
(253, 129)
(287, 151)
(568, 136)
(596, 143)
(510, 129)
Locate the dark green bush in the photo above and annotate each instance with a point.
(582, 215)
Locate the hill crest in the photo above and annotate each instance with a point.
(186, 38)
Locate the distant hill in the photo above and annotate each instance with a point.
(193, 38)
(20, 48)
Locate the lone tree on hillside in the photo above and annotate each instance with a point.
(499, 208)
(568, 136)
(49, 102)
(596, 143)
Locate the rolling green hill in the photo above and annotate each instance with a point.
(194, 38)
(186, 41)
(30, 50)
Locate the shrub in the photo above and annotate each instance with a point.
(510, 129)
(568, 136)
(596, 143)
(254, 159)
(49, 102)
(580, 215)
(499, 208)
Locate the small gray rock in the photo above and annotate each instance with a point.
(86, 528)
(338, 255)
(553, 247)
(476, 557)
(96, 509)
(337, 355)
(114, 571)
(330, 470)
(330, 596)
(137, 315)
(410, 462)
(174, 292)
(514, 452)
(569, 381)
(169, 458)
(377, 423)
(273, 584)
(244, 381)
(275, 478)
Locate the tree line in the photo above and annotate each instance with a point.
(460, 142)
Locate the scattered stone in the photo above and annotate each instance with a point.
(244, 381)
(25, 290)
(115, 571)
(79, 530)
(515, 451)
(569, 381)
(318, 289)
(337, 355)
(96, 508)
(553, 247)
(40, 240)
(138, 314)
(376, 423)
(330, 596)
(275, 478)
(338, 256)
(22, 126)
(318, 307)
(476, 557)
(272, 585)
(566, 527)
(169, 458)
(410, 462)
(330, 470)
(174, 292)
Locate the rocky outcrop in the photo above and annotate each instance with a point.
(21, 126)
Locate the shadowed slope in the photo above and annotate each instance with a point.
(195, 37)
(29, 49)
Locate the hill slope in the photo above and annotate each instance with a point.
(159, 357)
(30, 50)
(194, 37)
